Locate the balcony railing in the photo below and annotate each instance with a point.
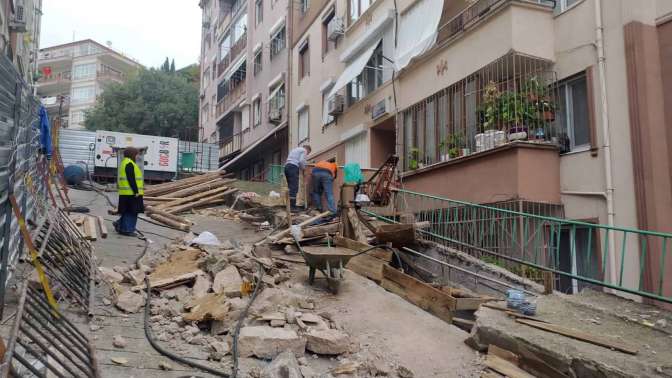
(231, 98)
(511, 99)
(56, 78)
(475, 12)
(110, 75)
(232, 54)
(228, 146)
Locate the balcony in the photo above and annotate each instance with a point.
(230, 145)
(233, 53)
(231, 99)
(55, 79)
(110, 75)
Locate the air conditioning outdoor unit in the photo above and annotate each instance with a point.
(335, 104)
(335, 28)
(17, 22)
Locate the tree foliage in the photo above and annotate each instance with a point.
(151, 102)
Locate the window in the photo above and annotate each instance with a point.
(214, 104)
(258, 63)
(258, 12)
(276, 102)
(256, 112)
(278, 42)
(563, 5)
(83, 93)
(205, 113)
(303, 6)
(573, 112)
(326, 117)
(304, 60)
(245, 118)
(224, 47)
(77, 117)
(358, 7)
(357, 150)
(206, 77)
(85, 71)
(370, 78)
(327, 45)
(239, 28)
(303, 124)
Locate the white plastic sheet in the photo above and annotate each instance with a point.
(417, 31)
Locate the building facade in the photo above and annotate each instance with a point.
(244, 59)
(559, 105)
(72, 75)
(20, 24)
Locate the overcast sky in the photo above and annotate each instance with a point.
(147, 30)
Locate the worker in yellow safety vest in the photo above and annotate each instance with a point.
(130, 187)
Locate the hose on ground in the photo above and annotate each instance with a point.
(171, 355)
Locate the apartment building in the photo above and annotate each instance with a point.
(558, 108)
(243, 91)
(77, 73)
(20, 24)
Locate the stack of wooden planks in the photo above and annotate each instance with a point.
(165, 201)
(90, 226)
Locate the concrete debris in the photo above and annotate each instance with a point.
(119, 342)
(201, 286)
(130, 302)
(110, 275)
(346, 367)
(278, 323)
(165, 366)
(404, 372)
(135, 277)
(662, 323)
(284, 365)
(180, 293)
(94, 327)
(268, 342)
(219, 349)
(107, 302)
(228, 282)
(119, 360)
(327, 341)
(210, 307)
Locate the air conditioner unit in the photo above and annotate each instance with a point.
(335, 28)
(274, 115)
(335, 105)
(17, 22)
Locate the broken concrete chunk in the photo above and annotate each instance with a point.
(228, 281)
(307, 304)
(110, 275)
(179, 293)
(119, 342)
(209, 307)
(268, 342)
(107, 302)
(404, 372)
(94, 327)
(201, 286)
(327, 341)
(130, 302)
(119, 360)
(165, 366)
(310, 318)
(284, 365)
(135, 277)
(277, 323)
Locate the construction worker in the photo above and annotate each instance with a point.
(130, 186)
(323, 176)
(296, 162)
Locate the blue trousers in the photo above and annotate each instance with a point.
(127, 222)
(292, 176)
(323, 182)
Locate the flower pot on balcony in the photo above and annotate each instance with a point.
(517, 133)
(489, 139)
(548, 116)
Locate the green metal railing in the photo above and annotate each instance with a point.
(274, 174)
(581, 254)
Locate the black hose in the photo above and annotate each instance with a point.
(171, 355)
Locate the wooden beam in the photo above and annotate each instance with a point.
(579, 335)
(170, 282)
(103, 228)
(355, 245)
(549, 282)
(369, 264)
(286, 231)
(471, 303)
(169, 222)
(191, 205)
(428, 298)
(505, 367)
(503, 354)
(90, 228)
(191, 198)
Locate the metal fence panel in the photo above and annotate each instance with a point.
(77, 145)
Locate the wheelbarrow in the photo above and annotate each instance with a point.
(330, 261)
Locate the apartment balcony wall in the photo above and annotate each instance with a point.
(231, 100)
(229, 146)
(232, 55)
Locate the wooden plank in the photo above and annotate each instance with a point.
(503, 354)
(357, 227)
(511, 313)
(370, 264)
(191, 205)
(471, 303)
(419, 293)
(169, 282)
(466, 323)
(91, 229)
(191, 198)
(284, 232)
(505, 367)
(579, 335)
(355, 245)
(103, 228)
(490, 374)
(169, 222)
(549, 282)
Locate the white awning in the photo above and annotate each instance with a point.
(235, 67)
(417, 31)
(355, 67)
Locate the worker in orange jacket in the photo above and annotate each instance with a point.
(323, 175)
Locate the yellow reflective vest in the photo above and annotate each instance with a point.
(123, 187)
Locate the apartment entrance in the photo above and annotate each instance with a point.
(383, 141)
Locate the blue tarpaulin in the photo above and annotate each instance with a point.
(45, 132)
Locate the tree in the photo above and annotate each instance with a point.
(192, 73)
(165, 67)
(172, 66)
(151, 102)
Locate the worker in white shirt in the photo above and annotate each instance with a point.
(296, 162)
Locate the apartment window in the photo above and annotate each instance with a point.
(214, 69)
(258, 63)
(245, 118)
(84, 71)
(370, 78)
(303, 124)
(83, 93)
(205, 113)
(256, 112)
(327, 44)
(573, 112)
(239, 28)
(206, 77)
(326, 117)
(304, 60)
(276, 102)
(278, 42)
(224, 46)
(358, 7)
(303, 6)
(77, 117)
(214, 104)
(259, 11)
(563, 5)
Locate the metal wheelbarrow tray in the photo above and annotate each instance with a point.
(330, 261)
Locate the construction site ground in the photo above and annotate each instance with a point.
(384, 327)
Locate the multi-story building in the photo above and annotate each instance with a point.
(562, 107)
(20, 23)
(77, 73)
(243, 91)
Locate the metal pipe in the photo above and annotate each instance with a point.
(583, 193)
(606, 134)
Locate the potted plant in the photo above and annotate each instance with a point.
(413, 159)
(491, 117)
(450, 147)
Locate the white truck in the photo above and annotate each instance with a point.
(160, 160)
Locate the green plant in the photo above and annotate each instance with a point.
(490, 106)
(452, 144)
(413, 158)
